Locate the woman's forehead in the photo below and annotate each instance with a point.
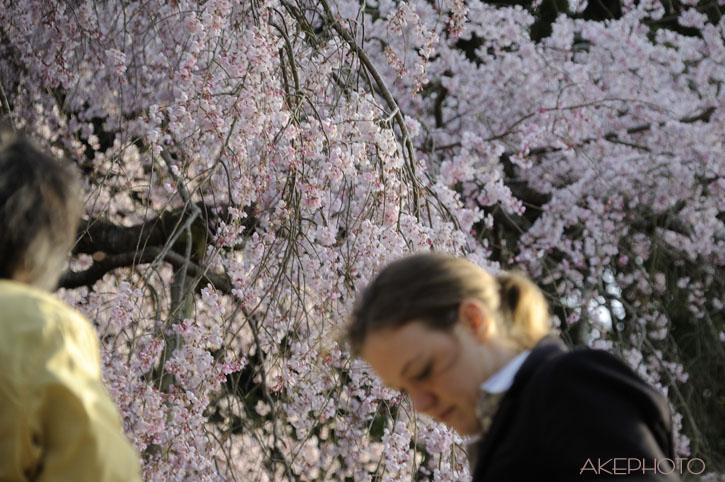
(393, 348)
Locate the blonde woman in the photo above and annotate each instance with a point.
(476, 352)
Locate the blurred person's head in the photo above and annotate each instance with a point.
(437, 326)
(40, 208)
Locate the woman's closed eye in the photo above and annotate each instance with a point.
(425, 372)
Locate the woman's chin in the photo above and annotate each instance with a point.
(466, 428)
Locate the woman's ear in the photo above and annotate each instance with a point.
(475, 316)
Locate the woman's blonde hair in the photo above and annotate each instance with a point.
(429, 287)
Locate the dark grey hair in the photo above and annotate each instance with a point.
(40, 208)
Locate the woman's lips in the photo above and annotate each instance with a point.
(446, 414)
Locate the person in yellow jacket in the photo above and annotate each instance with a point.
(57, 421)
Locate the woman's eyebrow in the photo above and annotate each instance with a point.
(408, 365)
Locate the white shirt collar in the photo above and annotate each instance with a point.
(502, 379)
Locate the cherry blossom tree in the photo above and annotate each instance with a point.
(248, 167)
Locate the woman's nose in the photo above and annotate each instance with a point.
(423, 400)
